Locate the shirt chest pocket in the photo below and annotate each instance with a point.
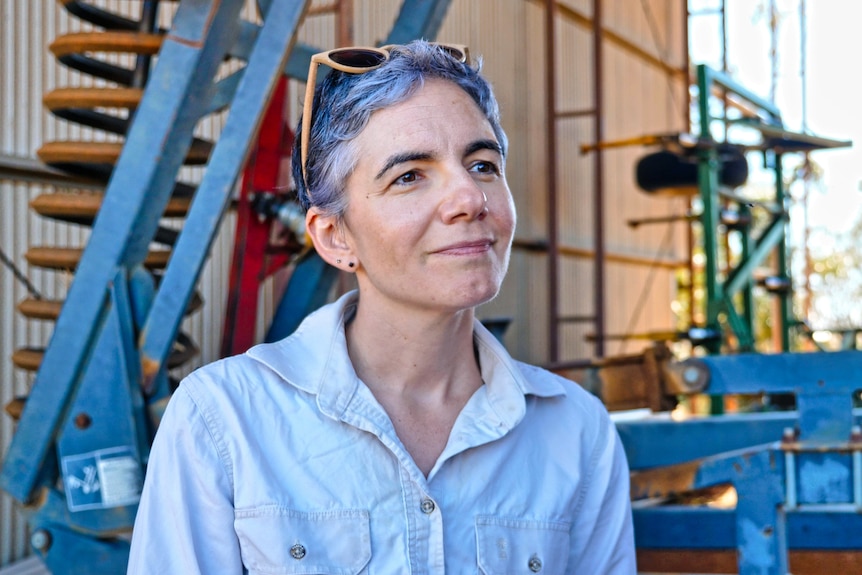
(278, 541)
(515, 546)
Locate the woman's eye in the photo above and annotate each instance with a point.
(407, 178)
(486, 167)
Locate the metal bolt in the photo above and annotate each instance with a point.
(83, 421)
(41, 540)
(690, 375)
(789, 435)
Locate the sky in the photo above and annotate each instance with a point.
(827, 100)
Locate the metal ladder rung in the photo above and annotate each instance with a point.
(92, 98)
(124, 42)
(49, 309)
(69, 205)
(68, 258)
(107, 152)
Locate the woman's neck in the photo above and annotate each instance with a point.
(399, 352)
(421, 368)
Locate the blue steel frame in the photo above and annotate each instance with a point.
(97, 396)
(798, 475)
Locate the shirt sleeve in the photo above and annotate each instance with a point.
(185, 518)
(604, 533)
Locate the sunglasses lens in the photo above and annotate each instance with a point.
(358, 58)
(454, 52)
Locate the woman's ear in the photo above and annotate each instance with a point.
(327, 235)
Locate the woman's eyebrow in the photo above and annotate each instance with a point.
(474, 147)
(402, 158)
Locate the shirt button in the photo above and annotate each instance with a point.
(535, 564)
(297, 551)
(427, 506)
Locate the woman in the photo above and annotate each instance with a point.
(391, 433)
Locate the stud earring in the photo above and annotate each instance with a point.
(338, 261)
(350, 264)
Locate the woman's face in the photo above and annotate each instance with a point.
(429, 217)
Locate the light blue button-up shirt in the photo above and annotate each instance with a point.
(281, 461)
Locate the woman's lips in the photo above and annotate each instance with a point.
(466, 248)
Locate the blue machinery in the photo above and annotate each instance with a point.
(797, 475)
(77, 459)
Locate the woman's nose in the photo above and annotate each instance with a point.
(464, 199)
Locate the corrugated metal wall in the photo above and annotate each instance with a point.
(26, 71)
(641, 97)
(644, 92)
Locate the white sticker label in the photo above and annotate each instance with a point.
(101, 479)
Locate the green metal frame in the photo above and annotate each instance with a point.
(722, 290)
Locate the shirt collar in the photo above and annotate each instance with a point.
(314, 359)
(507, 380)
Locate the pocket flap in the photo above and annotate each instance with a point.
(513, 546)
(277, 540)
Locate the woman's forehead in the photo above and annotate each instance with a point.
(438, 115)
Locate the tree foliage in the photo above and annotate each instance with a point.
(836, 278)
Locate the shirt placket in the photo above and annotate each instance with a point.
(424, 526)
(422, 512)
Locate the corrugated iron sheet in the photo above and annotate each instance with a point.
(29, 566)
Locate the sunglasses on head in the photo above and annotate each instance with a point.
(353, 60)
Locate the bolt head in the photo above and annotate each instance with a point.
(41, 540)
(690, 375)
(83, 420)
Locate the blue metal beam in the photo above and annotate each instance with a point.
(751, 373)
(659, 442)
(761, 526)
(702, 527)
(274, 41)
(307, 290)
(418, 19)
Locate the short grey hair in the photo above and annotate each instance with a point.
(344, 102)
